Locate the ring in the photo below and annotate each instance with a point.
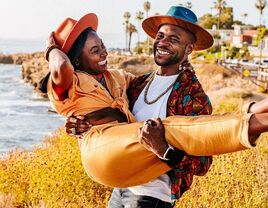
(73, 131)
(148, 122)
(73, 120)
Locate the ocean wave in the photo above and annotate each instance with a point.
(26, 119)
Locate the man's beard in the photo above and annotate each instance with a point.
(173, 59)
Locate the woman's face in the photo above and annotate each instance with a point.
(93, 57)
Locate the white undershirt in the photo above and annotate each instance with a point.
(161, 187)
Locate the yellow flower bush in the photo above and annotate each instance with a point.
(235, 180)
(53, 176)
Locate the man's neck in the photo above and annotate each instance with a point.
(169, 70)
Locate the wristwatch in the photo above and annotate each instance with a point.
(169, 153)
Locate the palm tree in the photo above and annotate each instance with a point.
(139, 17)
(219, 5)
(131, 30)
(260, 5)
(244, 17)
(147, 7)
(188, 4)
(127, 16)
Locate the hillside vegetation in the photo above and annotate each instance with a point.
(51, 175)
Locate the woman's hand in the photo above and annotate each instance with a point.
(76, 126)
(51, 44)
(50, 41)
(152, 136)
(60, 67)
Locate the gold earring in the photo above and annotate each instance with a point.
(76, 62)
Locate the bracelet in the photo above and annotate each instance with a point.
(166, 152)
(176, 158)
(50, 48)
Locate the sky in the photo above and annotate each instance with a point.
(35, 19)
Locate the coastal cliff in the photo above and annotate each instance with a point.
(35, 67)
(222, 82)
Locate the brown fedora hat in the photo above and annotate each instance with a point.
(69, 30)
(181, 17)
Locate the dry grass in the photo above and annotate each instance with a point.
(52, 175)
(234, 180)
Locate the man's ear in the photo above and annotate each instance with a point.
(189, 48)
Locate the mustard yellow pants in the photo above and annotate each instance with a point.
(112, 155)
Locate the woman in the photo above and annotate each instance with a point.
(81, 85)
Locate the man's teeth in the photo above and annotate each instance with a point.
(163, 52)
(102, 62)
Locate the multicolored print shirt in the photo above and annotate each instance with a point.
(187, 98)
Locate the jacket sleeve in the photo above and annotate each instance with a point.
(195, 103)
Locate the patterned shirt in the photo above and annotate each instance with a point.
(186, 98)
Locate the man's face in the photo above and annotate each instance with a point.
(171, 45)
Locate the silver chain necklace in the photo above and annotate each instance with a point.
(181, 69)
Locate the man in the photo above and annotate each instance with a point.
(172, 90)
(172, 47)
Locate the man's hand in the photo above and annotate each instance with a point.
(76, 126)
(152, 136)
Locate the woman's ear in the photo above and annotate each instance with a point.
(76, 62)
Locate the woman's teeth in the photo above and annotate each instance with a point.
(102, 62)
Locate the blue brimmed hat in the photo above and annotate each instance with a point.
(181, 17)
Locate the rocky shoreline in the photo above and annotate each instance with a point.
(35, 67)
(222, 82)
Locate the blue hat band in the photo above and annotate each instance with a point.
(182, 13)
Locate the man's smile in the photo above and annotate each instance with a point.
(164, 52)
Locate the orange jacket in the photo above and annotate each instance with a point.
(87, 95)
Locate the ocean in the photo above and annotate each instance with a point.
(25, 117)
(11, 46)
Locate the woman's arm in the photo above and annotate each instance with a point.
(82, 124)
(61, 68)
